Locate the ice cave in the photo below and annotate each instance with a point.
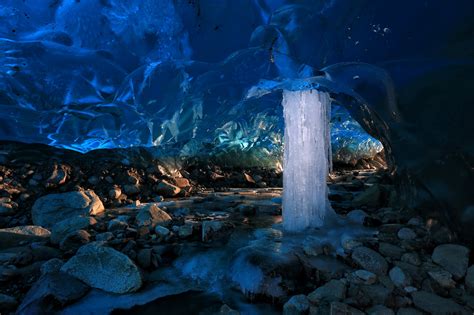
(296, 157)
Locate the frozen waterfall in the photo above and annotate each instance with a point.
(307, 159)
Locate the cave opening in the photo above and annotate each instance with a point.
(236, 157)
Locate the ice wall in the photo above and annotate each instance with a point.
(306, 159)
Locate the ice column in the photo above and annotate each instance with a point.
(307, 159)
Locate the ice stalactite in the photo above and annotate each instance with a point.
(307, 159)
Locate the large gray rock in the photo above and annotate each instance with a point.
(435, 304)
(151, 215)
(53, 208)
(104, 268)
(454, 258)
(15, 236)
(370, 260)
(67, 226)
(50, 293)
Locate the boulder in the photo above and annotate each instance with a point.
(64, 227)
(435, 304)
(53, 208)
(454, 258)
(104, 268)
(167, 189)
(15, 236)
(370, 260)
(151, 216)
(52, 292)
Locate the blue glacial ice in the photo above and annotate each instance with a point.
(170, 75)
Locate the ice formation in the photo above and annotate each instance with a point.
(306, 160)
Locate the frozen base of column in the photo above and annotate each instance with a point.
(306, 159)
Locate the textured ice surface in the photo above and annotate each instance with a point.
(349, 141)
(306, 160)
(169, 74)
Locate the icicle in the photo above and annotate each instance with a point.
(307, 159)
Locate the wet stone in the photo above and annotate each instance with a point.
(151, 216)
(435, 304)
(406, 234)
(399, 277)
(443, 278)
(390, 250)
(334, 290)
(370, 260)
(454, 258)
(365, 276)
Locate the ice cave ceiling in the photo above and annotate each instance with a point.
(194, 76)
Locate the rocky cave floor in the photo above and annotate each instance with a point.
(98, 232)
